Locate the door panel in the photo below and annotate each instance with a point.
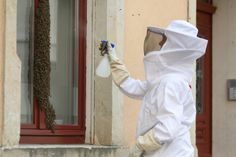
(204, 83)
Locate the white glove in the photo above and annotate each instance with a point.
(111, 64)
(147, 142)
(135, 152)
(118, 70)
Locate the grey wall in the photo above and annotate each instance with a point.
(224, 67)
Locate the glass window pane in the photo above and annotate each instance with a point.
(200, 86)
(64, 61)
(23, 51)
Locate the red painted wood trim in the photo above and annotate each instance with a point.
(52, 140)
(35, 117)
(36, 132)
(28, 126)
(41, 119)
(57, 127)
(36, 4)
(82, 62)
(206, 7)
(204, 120)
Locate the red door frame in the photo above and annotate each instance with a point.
(36, 132)
(204, 119)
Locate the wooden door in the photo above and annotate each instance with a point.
(204, 82)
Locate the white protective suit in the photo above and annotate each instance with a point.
(167, 102)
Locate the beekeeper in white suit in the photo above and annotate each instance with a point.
(168, 108)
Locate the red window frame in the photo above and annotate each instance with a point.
(37, 133)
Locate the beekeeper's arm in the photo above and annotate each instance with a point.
(169, 118)
(120, 75)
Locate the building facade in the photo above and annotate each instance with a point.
(93, 118)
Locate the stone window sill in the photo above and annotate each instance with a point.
(69, 146)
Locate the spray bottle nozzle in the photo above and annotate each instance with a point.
(104, 46)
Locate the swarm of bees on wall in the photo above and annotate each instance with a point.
(41, 75)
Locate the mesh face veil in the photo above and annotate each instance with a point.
(154, 40)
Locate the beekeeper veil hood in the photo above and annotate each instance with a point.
(178, 54)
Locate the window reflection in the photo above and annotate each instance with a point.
(63, 56)
(199, 85)
(24, 46)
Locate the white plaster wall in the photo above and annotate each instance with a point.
(115, 33)
(89, 137)
(12, 79)
(224, 67)
(192, 18)
(2, 30)
(108, 24)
